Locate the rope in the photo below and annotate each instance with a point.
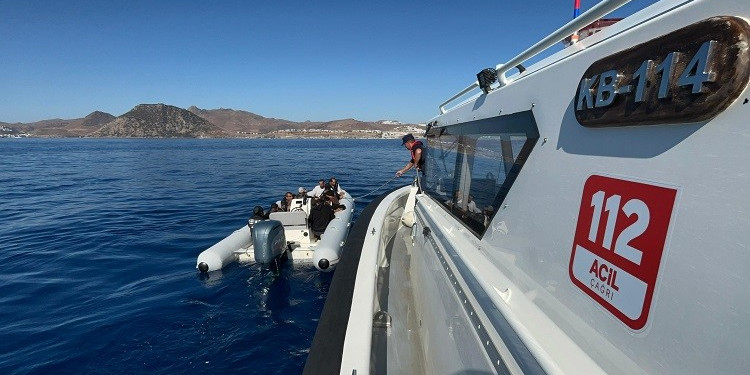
(379, 187)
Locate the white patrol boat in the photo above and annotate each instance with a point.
(285, 235)
(610, 224)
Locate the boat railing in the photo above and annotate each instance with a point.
(598, 11)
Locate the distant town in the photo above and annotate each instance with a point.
(6, 132)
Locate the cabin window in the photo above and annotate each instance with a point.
(470, 174)
(440, 167)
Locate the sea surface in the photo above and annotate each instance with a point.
(99, 240)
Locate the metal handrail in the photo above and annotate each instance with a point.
(598, 11)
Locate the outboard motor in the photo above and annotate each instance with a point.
(269, 241)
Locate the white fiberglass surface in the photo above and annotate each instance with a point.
(697, 317)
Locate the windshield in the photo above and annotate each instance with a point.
(470, 174)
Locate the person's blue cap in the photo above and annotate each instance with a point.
(407, 138)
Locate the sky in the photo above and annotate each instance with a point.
(297, 60)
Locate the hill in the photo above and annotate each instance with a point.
(166, 121)
(159, 121)
(63, 128)
(242, 123)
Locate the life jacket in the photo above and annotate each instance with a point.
(414, 147)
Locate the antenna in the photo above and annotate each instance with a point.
(576, 12)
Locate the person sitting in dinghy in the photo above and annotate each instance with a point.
(333, 185)
(258, 213)
(320, 215)
(302, 193)
(333, 199)
(318, 190)
(286, 203)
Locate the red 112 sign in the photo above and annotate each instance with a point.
(618, 244)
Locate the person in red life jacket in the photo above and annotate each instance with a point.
(417, 155)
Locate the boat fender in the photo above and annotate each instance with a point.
(269, 241)
(407, 218)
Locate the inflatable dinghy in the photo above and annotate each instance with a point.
(283, 235)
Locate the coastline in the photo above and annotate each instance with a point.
(277, 134)
(198, 138)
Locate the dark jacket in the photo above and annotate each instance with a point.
(320, 216)
(258, 213)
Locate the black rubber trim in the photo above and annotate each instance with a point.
(327, 346)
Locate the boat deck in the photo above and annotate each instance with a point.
(396, 346)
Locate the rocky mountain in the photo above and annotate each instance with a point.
(159, 121)
(242, 122)
(95, 120)
(166, 121)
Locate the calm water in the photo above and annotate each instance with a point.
(99, 240)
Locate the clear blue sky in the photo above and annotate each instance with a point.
(298, 60)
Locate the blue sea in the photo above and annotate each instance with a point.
(99, 242)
